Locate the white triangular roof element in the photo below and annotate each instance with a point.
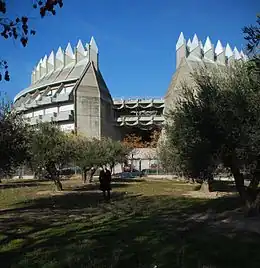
(87, 46)
(80, 48)
(243, 55)
(51, 58)
(219, 48)
(181, 41)
(189, 43)
(208, 45)
(69, 51)
(236, 54)
(38, 65)
(195, 42)
(93, 44)
(60, 55)
(44, 62)
(228, 51)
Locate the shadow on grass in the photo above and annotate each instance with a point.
(95, 186)
(220, 186)
(131, 231)
(224, 186)
(128, 180)
(19, 184)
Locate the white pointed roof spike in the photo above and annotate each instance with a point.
(87, 46)
(243, 55)
(38, 65)
(80, 48)
(228, 51)
(51, 58)
(44, 62)
(219, 48)
(59, 55)
(195, 42)
(189, 43)
(207, 45)
(181, 41)
(236, 54)
(69, 51)
(93, 44)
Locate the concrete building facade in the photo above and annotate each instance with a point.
(67, 88)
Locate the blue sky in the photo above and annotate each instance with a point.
(136, 38)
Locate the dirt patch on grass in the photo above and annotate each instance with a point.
(206, 195)
(53, 193)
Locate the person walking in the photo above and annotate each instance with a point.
(105, 182)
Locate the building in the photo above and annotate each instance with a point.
(67, 88)
(193, 54)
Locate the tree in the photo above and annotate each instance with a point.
(94, 153)
(50, 150)
(18, 27)
(218, 121)
(88, 155)
(114, 152)
(14, 140)
(252, 35)
(133, 141)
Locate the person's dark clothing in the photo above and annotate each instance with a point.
(105, 180)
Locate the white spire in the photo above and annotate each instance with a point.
(39, 65)
(195, 42)
(181, 41)
(207, 45)
(243, 56)
(51, 58)
(93, 44)
(219, 48)
(228, 51)
(59, 55)
(80, 48)
(44, 62)
(236, 54)
(69, 51)
(189, 43)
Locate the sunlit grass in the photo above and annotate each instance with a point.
(147, 223)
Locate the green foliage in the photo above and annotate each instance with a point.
(14, 140)
(252, 35)
(50, 149)
(113, 151)
(217, 121)
(95, 153)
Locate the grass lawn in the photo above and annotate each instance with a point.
(146, 224)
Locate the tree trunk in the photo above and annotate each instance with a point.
(54, 175)
(91, 175)
(84, 175)
(254, 207)
(58, 184)
(239, 181)
(205, 187)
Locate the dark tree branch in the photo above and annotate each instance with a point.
(18, 27)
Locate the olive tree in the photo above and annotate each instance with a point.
(217, 121)
(88, 155)
(14, 141)
(50, 149)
